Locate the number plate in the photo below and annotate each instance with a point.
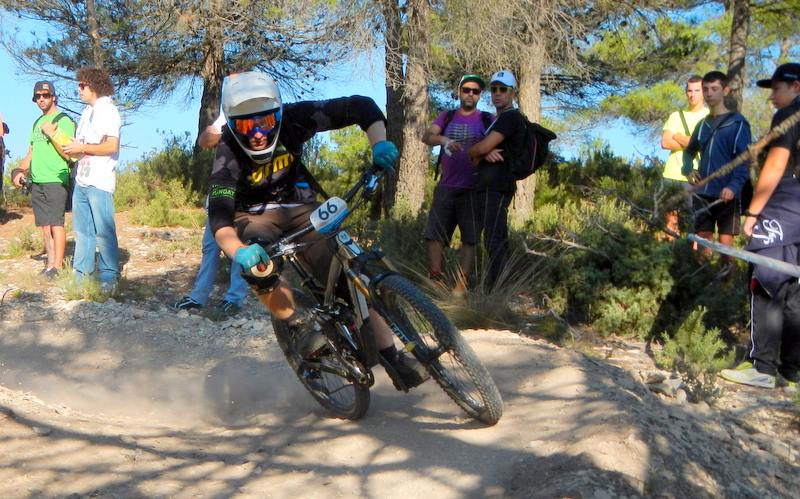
(329, 215)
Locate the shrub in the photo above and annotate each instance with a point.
(697, 354)
(606, 264)
(26, 241)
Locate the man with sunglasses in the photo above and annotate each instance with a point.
(48, 164)
(496, 184)
(260, 189)
(97, 147)
(455, 131)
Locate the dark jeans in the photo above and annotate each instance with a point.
(493, 214)
(775, 330)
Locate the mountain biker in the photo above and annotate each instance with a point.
(259, 188)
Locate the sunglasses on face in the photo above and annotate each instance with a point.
(41, 96)
(499, 88)
(469, 90)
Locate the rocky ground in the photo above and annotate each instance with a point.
(127, 399)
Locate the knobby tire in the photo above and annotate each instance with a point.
(340, 396)
(458, 370)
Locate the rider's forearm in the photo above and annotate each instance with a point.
(376, 132)
(228, 241)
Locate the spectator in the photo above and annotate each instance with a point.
(204, 282)
(773, 225)
(718, 138)
(675, 137)
(496, 184)
(97, 144)
(455, 131)
(49, 168)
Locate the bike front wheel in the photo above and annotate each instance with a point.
(328, 376)
(441, 348)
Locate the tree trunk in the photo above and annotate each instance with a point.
(410, 188)
(213, 70)
(395, 115)
(530, 103)
(94, 34)
(740, 28)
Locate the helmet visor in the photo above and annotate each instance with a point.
(249, 127)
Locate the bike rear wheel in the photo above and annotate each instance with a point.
(326, 376)
(456, 369)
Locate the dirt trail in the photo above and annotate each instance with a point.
(130, 399)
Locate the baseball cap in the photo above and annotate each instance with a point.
(505, 77)
(788, 72)
(43, 86)
(473, 78)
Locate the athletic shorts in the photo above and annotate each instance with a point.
(724, 217)
(49, 201)
(271, 225)
(452, 207)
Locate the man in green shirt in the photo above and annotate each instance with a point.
(49, 169)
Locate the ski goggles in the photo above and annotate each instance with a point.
(267, 124)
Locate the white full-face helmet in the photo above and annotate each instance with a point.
(251, 104)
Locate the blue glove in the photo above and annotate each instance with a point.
(250, 256)
(384, 155)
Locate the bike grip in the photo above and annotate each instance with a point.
(262, 269)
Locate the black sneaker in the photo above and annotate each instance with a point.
(50, 274)
(411, 372)
(228, 308)
(187, 303)
(306, 333)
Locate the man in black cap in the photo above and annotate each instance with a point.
(773, 224)
(48, 165)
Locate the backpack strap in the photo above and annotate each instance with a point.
(683, 120)
(487, 118)
(303, 169)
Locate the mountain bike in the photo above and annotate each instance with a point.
(339, 375)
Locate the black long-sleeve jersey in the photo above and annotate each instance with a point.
(238, 184)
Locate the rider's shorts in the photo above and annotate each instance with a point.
(270, 225)
(452, 207)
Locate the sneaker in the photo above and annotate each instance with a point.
(187, 303)
(411, 372)
(228, 308)
(306, 333)
(49, 273)
(750, 377)
(108, 287)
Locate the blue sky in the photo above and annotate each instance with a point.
(144, 130)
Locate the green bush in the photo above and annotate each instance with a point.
(163, 186)
(697, 354)
(606, 263)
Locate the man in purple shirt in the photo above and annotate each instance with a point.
(455, 131)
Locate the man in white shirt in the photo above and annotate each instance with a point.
(97, 147)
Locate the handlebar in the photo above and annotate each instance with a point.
(368, 181)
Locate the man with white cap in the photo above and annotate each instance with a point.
(495, 183)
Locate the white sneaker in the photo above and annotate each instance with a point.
(749, 377)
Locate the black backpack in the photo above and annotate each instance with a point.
(486, 117)
(535, 147)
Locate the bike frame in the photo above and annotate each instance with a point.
(347, 253)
